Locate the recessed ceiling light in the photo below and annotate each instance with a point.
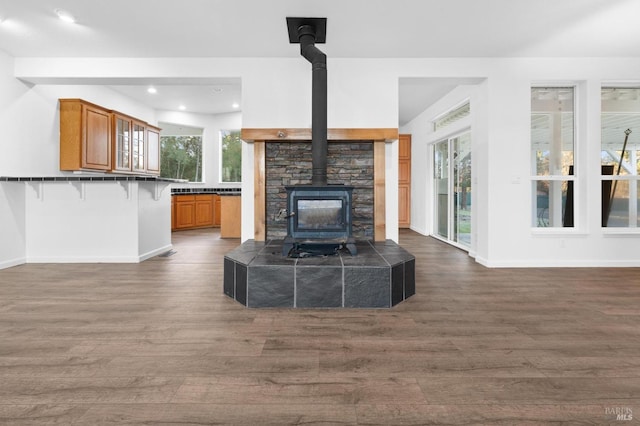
(152, 90)
(218, 90)
(235, 105)
(182, 107)
(65, 16)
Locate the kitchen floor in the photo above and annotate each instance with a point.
(159, 343)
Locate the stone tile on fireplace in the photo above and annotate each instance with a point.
(409, 278)
(367, 256)
(229, 281)
(242, 283)
(246, 251)
(397, 284)
(366, 287)
(321, 261)
(271, 287)
(267, 258)
(318, 287)
(381, 275)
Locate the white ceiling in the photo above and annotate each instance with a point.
(355, 28)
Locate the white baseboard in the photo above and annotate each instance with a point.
(13, 262)
(86, 259)
(419, 230)
(544, 263)
(83, 259)
(154, 253)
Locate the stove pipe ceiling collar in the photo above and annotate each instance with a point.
(308, 32)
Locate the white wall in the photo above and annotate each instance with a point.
(364, 93)
(31, 126)
(503, 234)
(96, 221)
(211, 125)
(29, 117)
(12, 225)
(12, 203)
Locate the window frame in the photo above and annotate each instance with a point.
(570, 179)
(633, 180)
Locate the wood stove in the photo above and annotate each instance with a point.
(319, 220)
(319, 214)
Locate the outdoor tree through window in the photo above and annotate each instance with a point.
(231, 161)
(181, 157)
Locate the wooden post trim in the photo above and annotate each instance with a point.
(259, 191)
(379, 188)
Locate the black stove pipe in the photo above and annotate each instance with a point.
(318, 59)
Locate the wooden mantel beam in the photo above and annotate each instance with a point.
(283, 135)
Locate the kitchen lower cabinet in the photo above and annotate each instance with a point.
(185, 211)
(204, 211)
(196, 211)
(216, 210)
(231, 216)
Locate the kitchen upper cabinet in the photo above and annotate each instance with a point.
(121, 142)
(85, 136)
(95, 138)
(153, 150)
(138, 146)
(130, 144)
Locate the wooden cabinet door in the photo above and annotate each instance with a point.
(96, 140)
(232, 217)
(204, 210)
(138, 146)
(121, 142)
(404, 181)
(216, 210)
(153, 150)
(185, 212)
(173, 213)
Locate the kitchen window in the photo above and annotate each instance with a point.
(181, 152)
(230, 156)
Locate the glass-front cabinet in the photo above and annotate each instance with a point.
(153, 150)
(131, 145)
(122, 146)
(138, 146)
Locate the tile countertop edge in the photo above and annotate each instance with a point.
(201, 191)
(119, 178)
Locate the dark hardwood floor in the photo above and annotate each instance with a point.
(158, 343)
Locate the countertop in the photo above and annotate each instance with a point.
(205, 191)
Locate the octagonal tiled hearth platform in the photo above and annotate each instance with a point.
(380, 276)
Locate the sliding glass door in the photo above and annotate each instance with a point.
(452, 189)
